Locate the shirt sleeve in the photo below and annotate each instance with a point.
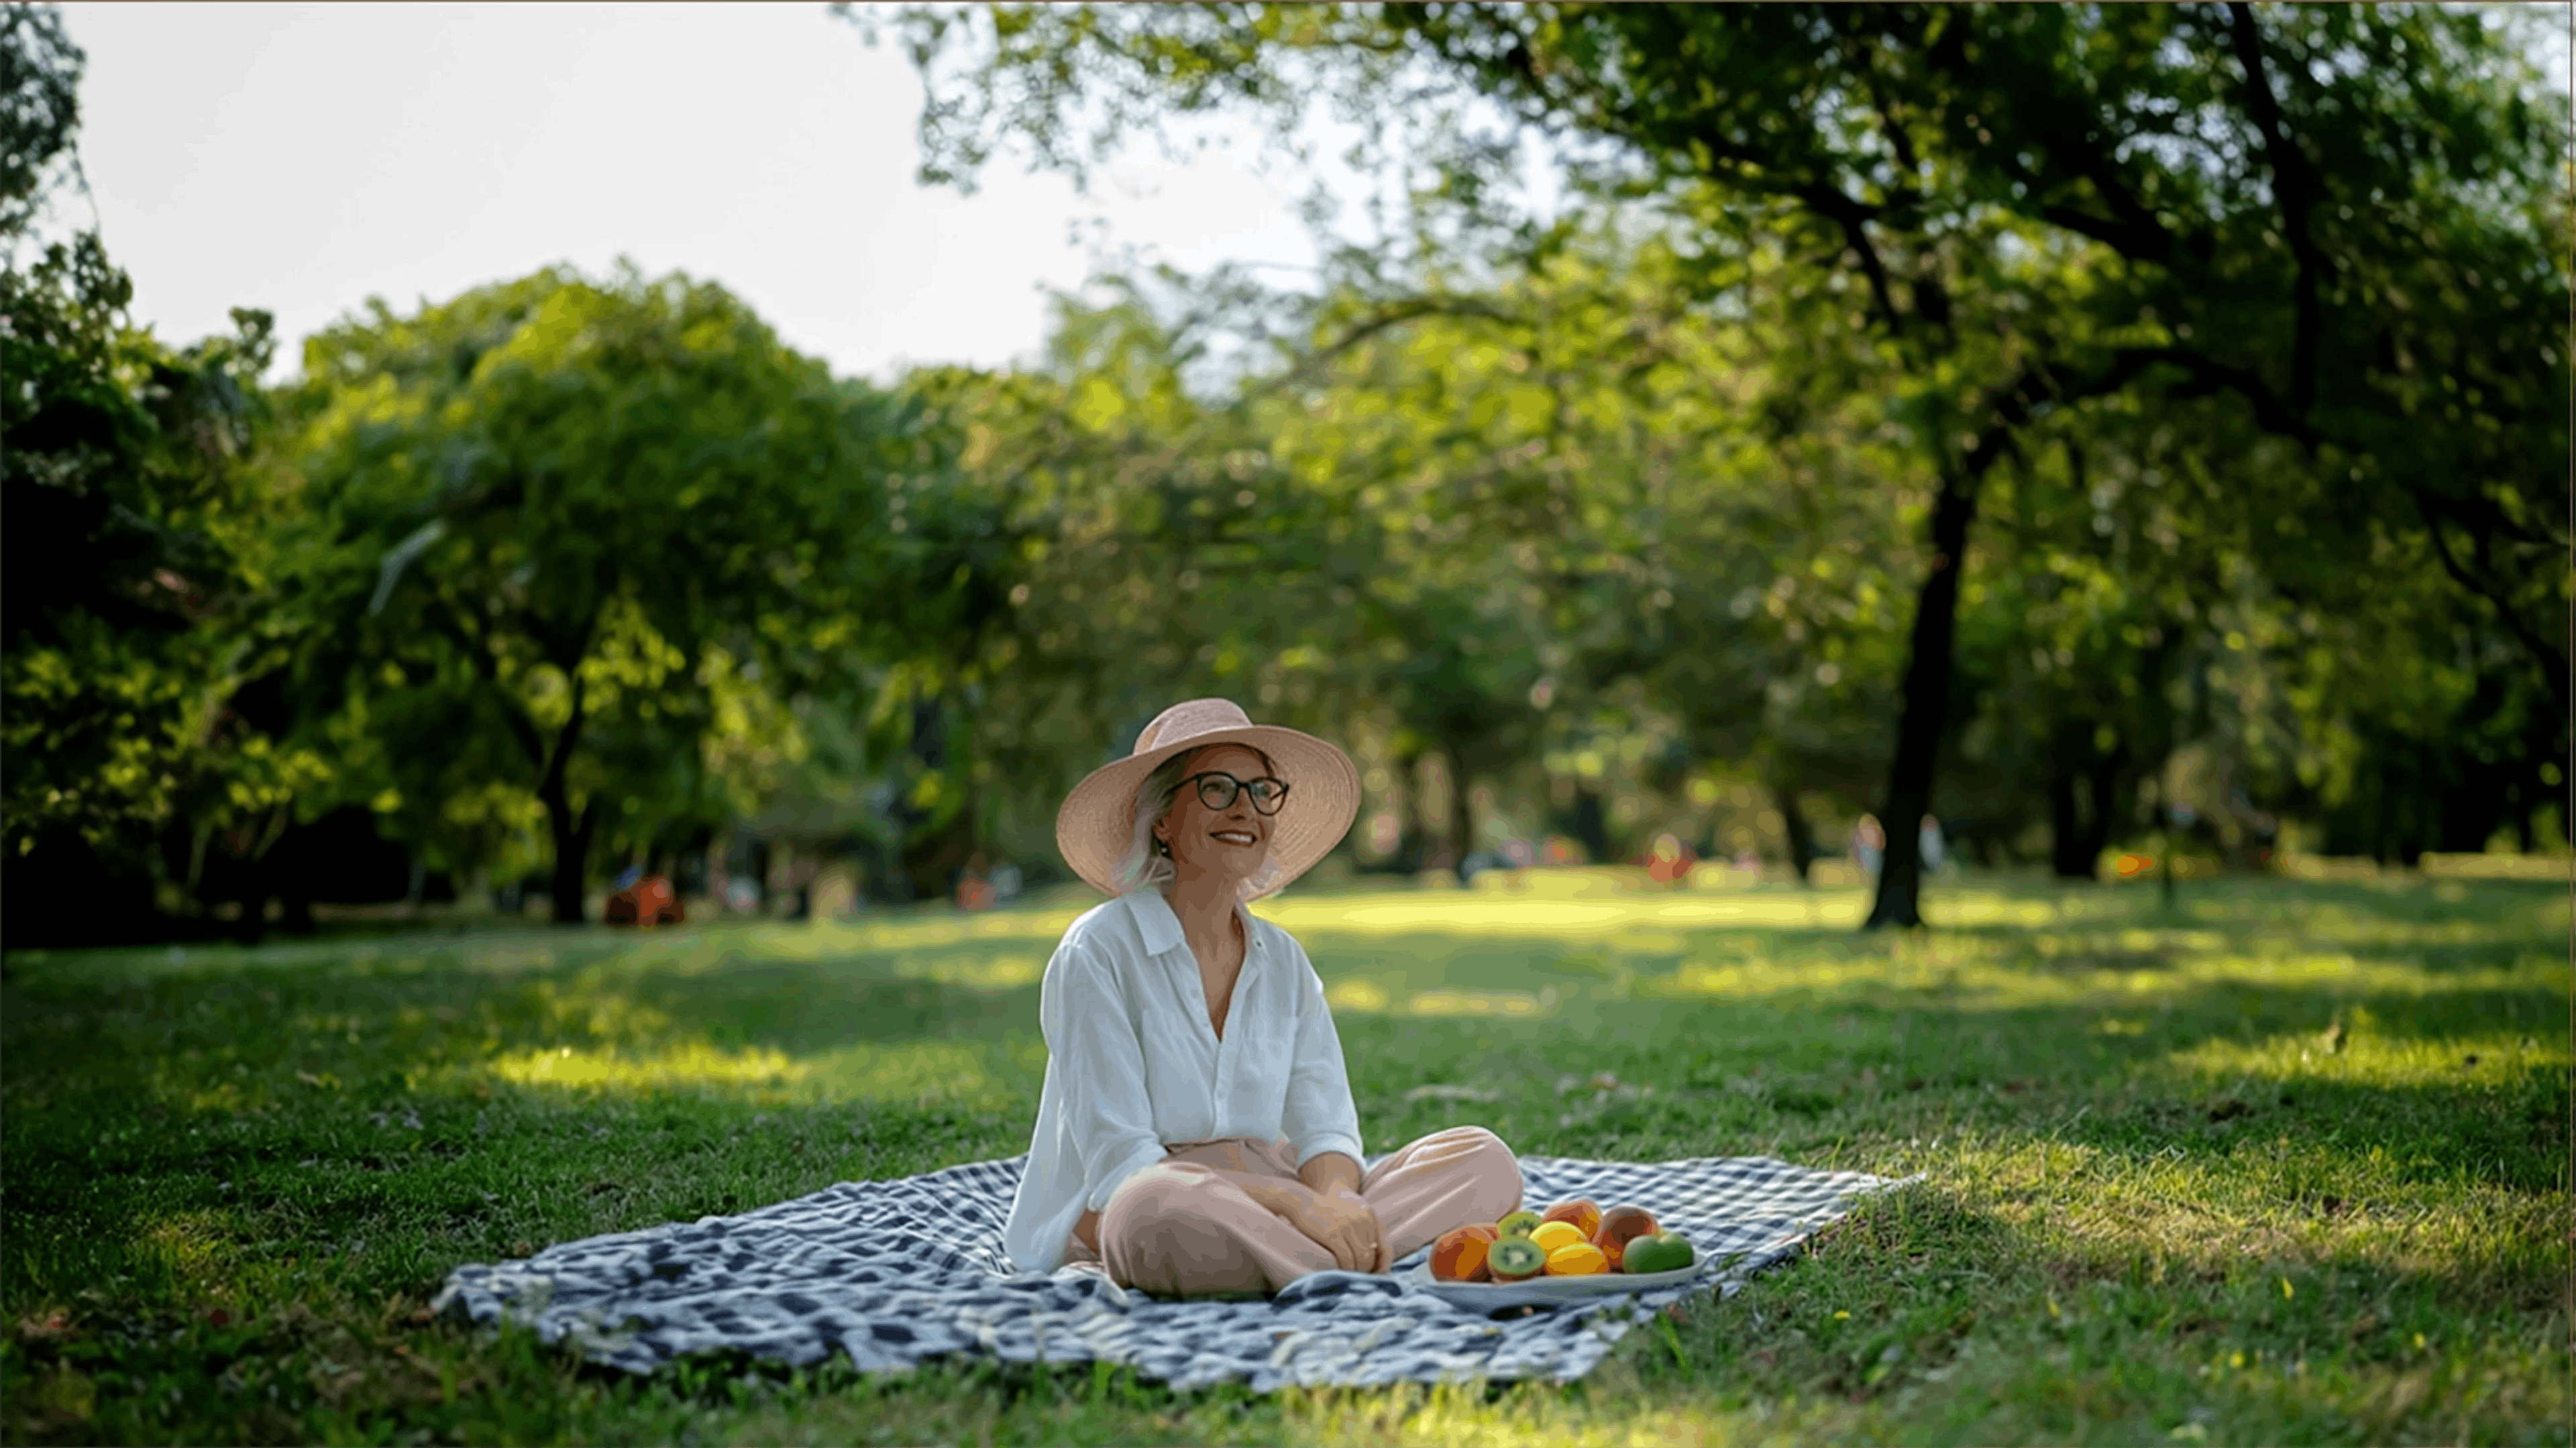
(1083, 1014)
(1319, 1115)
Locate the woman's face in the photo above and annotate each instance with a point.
(1230, 843)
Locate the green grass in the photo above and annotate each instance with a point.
(2167, 1200)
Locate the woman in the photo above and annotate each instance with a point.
(1196, 1134)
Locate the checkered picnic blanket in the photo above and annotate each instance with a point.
(895, 1272)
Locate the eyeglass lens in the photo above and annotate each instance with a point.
(1217, 791)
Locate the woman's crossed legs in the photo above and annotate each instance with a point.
(1184, 1227)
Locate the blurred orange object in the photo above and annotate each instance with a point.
(647, 902)
(1669, 862)
(975, 893)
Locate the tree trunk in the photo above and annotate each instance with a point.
(2110, 800)
(572, 835)
(1926, 707)
(2065, 825)
(1411, 848)
(931, 861)
(1462, 819)
(719, 857)
(2085, 794)
(1587, 823)
(1794, 822)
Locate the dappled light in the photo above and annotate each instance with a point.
(1481, 1003)
(1496, 916)
(189, 1247)
(684, 1065)
(910, 1072)
(2490, 1062)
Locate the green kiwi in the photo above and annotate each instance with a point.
(1511, 1259)
(1518, 1224)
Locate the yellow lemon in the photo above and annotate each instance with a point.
(1552, 1235)
(1577, 1259)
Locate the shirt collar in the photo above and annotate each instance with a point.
(1161, 929)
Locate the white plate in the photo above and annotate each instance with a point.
(1545, 1291)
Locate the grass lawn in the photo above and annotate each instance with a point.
(2287, 1165)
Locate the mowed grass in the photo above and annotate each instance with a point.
(2286, 1165)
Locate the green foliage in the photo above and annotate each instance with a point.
(135, 592)
(2019, 229)
(40, 73)
(572, 547)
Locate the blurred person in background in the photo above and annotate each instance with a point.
(1869, 845)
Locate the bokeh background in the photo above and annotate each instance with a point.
(784, 450)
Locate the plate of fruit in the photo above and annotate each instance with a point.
(1571, 1251)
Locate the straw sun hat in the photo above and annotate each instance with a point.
(1097, 825)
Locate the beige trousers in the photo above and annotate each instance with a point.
(1184, 1227)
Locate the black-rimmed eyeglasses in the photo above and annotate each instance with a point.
(1217, 790)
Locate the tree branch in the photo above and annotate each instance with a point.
(2270, 412)
(2541, 649)
(2295, 187)
(451, 620)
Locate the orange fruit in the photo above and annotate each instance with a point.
(1459, 1255)
(1581, 1213)
(1577, 1259)
(1620, 1226)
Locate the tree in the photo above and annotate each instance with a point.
(133, 588)
(2029, 210)
(575, 536)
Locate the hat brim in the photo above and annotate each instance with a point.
(1096, 825)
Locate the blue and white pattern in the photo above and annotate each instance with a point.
(895, 1272)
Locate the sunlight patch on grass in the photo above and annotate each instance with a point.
(177, 1086)
(1750, 978)
(1457, 1416)
(916, 932)
(589, 1007)
(1355, 995)
(1465, 913)
(990, 972)
(190, 1246)
(1562, 884)
(687, 1063)
(1970, 907)
(2119, 970)
(1834, 907)
(1636, 941)
(1593, 915)
(2371, 1059)
(1482, 1003)
(914, 1072)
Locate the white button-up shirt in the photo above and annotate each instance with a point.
(1132, 1063)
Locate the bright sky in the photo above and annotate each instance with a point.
(305, 158)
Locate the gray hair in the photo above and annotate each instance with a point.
(1148, 862)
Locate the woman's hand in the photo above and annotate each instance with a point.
(1343, 1223)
